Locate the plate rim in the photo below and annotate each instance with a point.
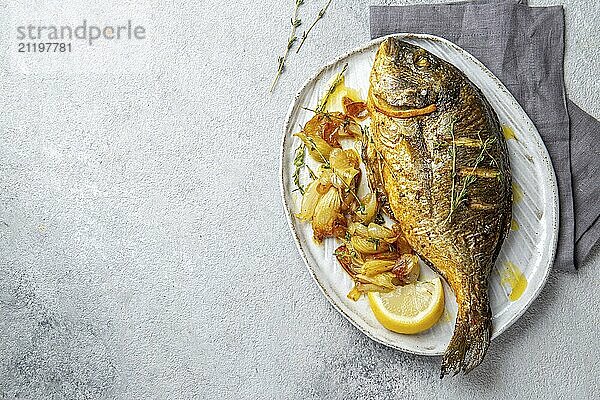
(289, 213)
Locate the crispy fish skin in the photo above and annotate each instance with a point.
(436, 152)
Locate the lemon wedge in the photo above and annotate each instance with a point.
(409, 309)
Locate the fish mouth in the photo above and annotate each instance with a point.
(400, 111)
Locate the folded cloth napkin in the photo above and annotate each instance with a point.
(524, 47)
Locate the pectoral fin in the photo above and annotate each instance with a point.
(374, 166)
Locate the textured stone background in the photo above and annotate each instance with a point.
(143, 247)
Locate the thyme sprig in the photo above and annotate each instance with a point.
(338, 79)
(317, 19)
(457, 198)
(453, 176)
(325, 113)
(295, 23)
(299, 163)
(494, 161)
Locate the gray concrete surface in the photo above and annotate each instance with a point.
(143, 247)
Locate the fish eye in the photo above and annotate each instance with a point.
(421, 61)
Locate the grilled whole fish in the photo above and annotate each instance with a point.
(437, 159)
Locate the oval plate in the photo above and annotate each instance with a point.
(530, 247)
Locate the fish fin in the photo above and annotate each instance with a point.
(506, 222)
(472, 333)
(373, 166)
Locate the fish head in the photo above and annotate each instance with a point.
(407, 77)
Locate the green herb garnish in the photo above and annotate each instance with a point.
(295, 22)
(299, 163)
(457, 198)
(319, 16)
(338, 79)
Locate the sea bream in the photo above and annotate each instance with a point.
(437, 160)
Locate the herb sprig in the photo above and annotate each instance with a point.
(299, 163)
(317, 19)
(338, 79)
(457, 198)
(295, 22)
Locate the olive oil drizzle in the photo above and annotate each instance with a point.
(514, 278)
(508, 132)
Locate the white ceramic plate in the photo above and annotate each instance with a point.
(531, 247)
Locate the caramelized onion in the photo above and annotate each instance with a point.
(406, 269)
(309, 201)
(377, 231)
(327, 215)
(369, 209)
(374, 267)
(356, 228)
(368, 246)
(318, 148)
(342, 163)
(354, 109)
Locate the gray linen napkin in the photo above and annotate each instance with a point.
(524, 47)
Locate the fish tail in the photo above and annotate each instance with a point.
(472, 332)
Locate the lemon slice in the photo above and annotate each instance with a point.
(411, 308)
